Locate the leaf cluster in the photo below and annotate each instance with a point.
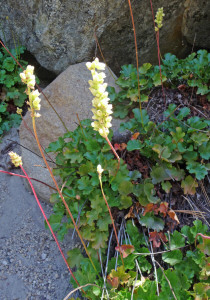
(11, 88)
(178, 148)
(183, 265)
(193, 71)
(78, 154)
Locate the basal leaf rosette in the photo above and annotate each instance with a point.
(102, 109)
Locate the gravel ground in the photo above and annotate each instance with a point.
(31, 266)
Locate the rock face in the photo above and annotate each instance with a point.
(69, 94)
(196, 23)
(61, 33)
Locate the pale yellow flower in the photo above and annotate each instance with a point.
(16, 159)
(19, 111)
(28, 77)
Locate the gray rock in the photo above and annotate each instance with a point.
(61, 33)
(196, 23)
(69, 94)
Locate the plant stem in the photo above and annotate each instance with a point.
(60, 194)
(137, 60)
(115, 153)
(158, 47)
(45, 217)
(110, 213)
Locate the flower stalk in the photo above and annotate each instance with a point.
(17, 161)
(34, 103)
(100, 171)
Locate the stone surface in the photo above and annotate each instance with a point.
(61, 33)
(31, 266)
(69, 94)
(196, 23)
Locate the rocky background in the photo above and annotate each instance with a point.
(61, 33)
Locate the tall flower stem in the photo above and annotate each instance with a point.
(158, 47)
(45, 217)
(115, 153)
(110, 213)
(59, 192)
(137, 60)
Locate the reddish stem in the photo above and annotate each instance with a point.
(158, 47)
(115, 153)
(137, 60)
(43, 213)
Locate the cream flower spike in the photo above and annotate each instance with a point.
(102, 109)
(159, 18)
(16, 159)
(28, 77)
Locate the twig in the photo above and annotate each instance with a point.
(160, 252)
(167, 280)
(79, 288)
(155, 269)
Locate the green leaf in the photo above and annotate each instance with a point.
(55, 221)
(92, 145)
(184, 112)
(3, 107)
(204, 150)
(74, 156)
(134, 145)
(100, 239)
(84, 184)
(157, 79)
(152, 222)
(125, 202)
(166, 186)
(163, 152)
(74, 258)
(189, 184)
(176, 240)
(9, 64)
(104, 222)
(196, 168)
(56, 146)
(125, 188)
(144, 68)
(86, 169)
(173, 257)
(199, 138)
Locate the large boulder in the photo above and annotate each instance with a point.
(61, 33)
(69, 94)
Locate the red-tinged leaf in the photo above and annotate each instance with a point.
(120, 147)
(136, 207)
(135, 136)
(150, 207)
(205, 246)
(163, 208)
(182, 87)
(113, 281)
(156, 238)
(125, 250)
(173, 216)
